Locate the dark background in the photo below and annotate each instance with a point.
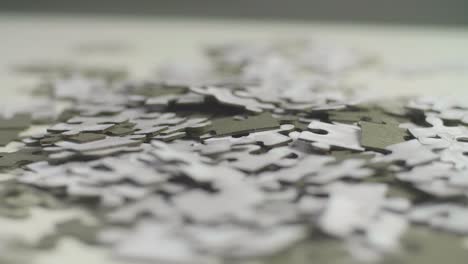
(430, 12)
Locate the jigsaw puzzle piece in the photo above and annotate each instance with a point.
(325, 135)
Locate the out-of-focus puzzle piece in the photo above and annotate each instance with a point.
(21, 157)
(226, 96)
(377, 137)
(240, 126)
(73, 228)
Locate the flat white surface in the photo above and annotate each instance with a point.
(150, 42)
(439, 54)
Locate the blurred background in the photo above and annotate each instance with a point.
(411, 38)
(428, 12)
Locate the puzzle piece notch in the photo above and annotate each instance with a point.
(280, 156)
(404, 152)
(270, 138)
(225, 95)
(438, 129)
(351, 168)
(325, 135)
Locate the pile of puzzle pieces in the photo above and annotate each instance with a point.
(242, 157)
